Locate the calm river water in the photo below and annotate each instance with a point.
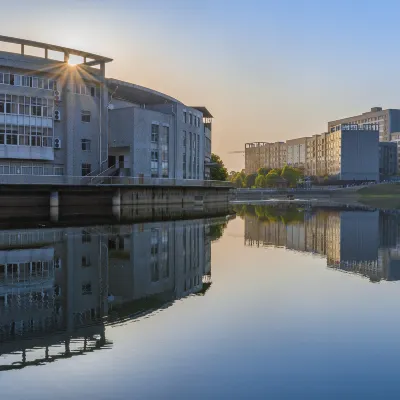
(275, 303)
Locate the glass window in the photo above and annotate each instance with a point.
(166, 133)
(36, 111)
(86, 169)
(86, 144)
(85, 116)
(154, 133)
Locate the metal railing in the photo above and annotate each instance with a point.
(106, 173)
(99, 170)
(17, 179)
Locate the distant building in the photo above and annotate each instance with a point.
(396, 139)
(316, 155)
(352, 152)
(388, 164)
(297, 152)
(387, 120)
(264, 154)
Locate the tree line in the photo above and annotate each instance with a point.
(264, 178)
(267, 177)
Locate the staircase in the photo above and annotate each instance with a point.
(102, 176)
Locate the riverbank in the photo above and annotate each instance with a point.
(385, 196)
(381, 196)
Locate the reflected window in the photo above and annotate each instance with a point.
(155, 271)
(86, 237)
(112, 244)
(86, 288)
(86, 261)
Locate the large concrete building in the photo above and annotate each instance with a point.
(352, 152)
(59, 120)
(387, 120)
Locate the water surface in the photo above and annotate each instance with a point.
(277, 303)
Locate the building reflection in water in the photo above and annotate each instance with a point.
(60, 287)
(360, 242)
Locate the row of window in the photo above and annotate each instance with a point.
(159, 143)
(7, 78)
(31, 169)
(86, 90)
(194, 156)
(25, 105)
(191, 120)
(85, 116)
(155, 133)
(26, 136)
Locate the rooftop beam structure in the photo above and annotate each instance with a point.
(66, 50)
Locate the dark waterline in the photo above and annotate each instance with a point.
(277, 303)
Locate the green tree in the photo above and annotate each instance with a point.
(292, 175)
(277, 171)
(238, 181)
(263, 171)
(271, 178)
(216, 231)
(218, 172)
(260, 181)
(250, 180)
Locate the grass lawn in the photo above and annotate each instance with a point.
(385, 195)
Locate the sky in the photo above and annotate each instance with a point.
(266, 70)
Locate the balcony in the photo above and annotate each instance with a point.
(26, 152)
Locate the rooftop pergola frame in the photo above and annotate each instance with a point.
(89, 59)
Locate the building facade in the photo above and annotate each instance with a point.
(297, 152)
(359, 242)
(264, 155)
(61, 284)
(387, 159)
(388, 121)
(353, 152)
(60, 121)
(316, 155)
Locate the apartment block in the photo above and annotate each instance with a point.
(297, 152)
(352, 152)
(264, 154)
(316, 155)
(388, 121)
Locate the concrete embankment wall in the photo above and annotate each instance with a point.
(39, 196)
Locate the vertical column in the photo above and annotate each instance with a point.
(54, 199)
(116, 204)
(103, 115)
(22, 49)
(68, 122)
